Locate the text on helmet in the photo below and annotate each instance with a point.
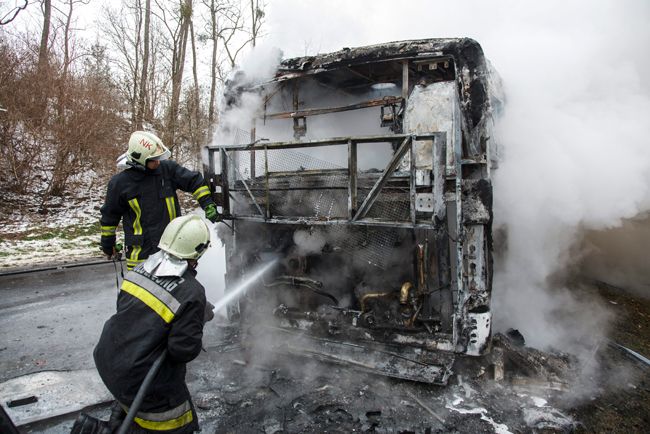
(146, 143)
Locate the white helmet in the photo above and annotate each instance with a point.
(185, 237)
(144, 146)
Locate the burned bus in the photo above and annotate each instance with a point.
(364, 179)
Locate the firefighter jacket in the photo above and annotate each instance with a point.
(145, 200)
(154, 314)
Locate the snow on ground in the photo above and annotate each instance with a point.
(64, 230)
(26, 253)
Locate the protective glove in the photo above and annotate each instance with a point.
(212, 214)
(108, 251)
(113, 251)
(208, 314)
(117, 251)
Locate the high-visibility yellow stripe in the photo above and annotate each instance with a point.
(150, 300)
(162, 294)
(108, 231)
(133, 259)
(130, 265)
(200, 192)
(135, 253)
(171, 207)
(166, 425)
(135, 206)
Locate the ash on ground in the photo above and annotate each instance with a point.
(539, 392)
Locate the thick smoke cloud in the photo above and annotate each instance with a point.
(573, 136)
(575, 157)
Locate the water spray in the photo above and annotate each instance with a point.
(234, 293)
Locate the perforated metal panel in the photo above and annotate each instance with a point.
(301, 185)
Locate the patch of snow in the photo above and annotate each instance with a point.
(499, 428)
(539, 402)
(547, 418)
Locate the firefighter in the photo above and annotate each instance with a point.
(160, 307)
(144, 197)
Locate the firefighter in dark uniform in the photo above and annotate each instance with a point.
(144, 197)
(160, 307)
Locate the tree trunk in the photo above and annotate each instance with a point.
(254, 26)
(45, 35)
(136, 67)
(213, 70)
(197, 131)
(177, 71)
(145, 67)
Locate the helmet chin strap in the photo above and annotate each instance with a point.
(136, 166)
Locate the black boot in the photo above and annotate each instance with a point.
(117, 417)
(86, 424)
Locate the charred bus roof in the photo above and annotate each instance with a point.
(355, 70)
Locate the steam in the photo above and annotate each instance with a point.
(242, 286)
(575, 156)
(212, 268)
(308, 242)
(574, 135)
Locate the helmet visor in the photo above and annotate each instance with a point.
(161, 153)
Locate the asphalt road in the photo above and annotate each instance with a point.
(50, 320)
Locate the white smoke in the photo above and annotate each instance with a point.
(576, 157)
(574, 138)
(574, 135)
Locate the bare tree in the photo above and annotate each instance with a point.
(65, 148)
(45, 36)
(16, 93)
(257, 19)
(233, 25)
(40, 152)
(67, 55)
(196, 130)
(145, 65)
(123, 30)
(225, 26)
(12, 14)
(178, 40)
(215, 8)
(223, 13)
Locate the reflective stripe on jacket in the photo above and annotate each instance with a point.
(173, 419)
(145, 201)
(153, 314)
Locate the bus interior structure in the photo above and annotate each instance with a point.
(364, 178)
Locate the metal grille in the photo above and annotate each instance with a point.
(301, 185)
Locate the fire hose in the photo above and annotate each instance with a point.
(117, 257)
(142, 392)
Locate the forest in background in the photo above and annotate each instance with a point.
(68, 103)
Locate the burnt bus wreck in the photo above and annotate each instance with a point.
(364, 178)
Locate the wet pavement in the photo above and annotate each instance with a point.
(50, 321)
